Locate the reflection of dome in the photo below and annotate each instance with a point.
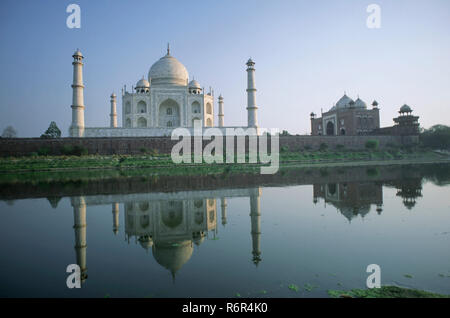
(379, 208)
(350, 211)
(146, 241)
(168, 70)
(198, 238)
(173, 255)
(409, 203)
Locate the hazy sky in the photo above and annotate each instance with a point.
(307, 54)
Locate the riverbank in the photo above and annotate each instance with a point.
(163, 164)
(385, 292)
(132, 165)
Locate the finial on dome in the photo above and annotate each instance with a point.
(168, 49)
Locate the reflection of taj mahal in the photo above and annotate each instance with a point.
(170, 227)
(170, 224)
(167, 223)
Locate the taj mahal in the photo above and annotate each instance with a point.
(168, 99)
(159, 104)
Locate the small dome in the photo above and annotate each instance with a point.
(344, 102)
(194, 84)
(169, 71)
(77, 53)
(142, 83)
(360, 104)
(199, 240)
(146, 242)
(220, 97)
(113, 95)
(405, 109)
(374, 103)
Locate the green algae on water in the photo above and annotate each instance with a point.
(293, 287)
(384, 292)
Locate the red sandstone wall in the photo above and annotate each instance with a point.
(134, 145)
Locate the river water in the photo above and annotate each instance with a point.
(296, 237)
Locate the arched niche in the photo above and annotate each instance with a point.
(169, 112)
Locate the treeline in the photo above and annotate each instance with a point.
(436, 137)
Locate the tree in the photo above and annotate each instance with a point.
(52, 131)
(437, 137)
(9, 132)
(372, 144)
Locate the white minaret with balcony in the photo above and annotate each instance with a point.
(113, 114)
(221, 114)
(77, 126)
(252, 120)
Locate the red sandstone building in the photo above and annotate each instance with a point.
(347, 117)
(353, 118)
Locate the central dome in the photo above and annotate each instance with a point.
(344, 102)
(168, 71)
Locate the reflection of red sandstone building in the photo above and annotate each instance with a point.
(351, 199)
(352, 118)
(409, 190)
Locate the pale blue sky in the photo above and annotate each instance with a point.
(307, 54)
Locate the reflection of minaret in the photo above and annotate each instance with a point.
(79, 214)
(223, 207)
(255, 216)
(115, 211)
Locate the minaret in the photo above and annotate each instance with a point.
(252, 120)
(113, 111)
(255, 218)
(115, 211)
(77, 126)
(223, 208)
(221, 114)
(79, 214)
